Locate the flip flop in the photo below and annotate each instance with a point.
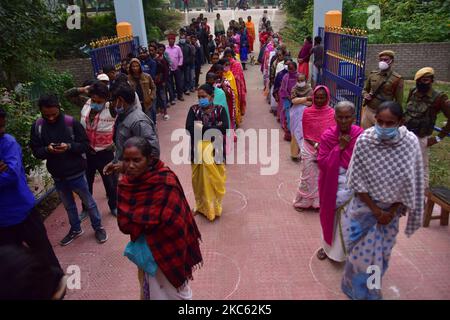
(321, 255)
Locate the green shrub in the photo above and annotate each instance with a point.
(408, 21)
(21, 114)
(22, 107)
(63, 43)
(157, 21)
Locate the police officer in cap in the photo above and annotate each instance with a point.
(422, 107)
(382, 85)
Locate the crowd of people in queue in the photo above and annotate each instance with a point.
(116, 137)
(361, 179)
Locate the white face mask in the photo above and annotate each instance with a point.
(383, 65)
(285, 67)
(302, 84)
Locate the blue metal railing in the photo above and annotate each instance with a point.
(440, 130)
(113, 54)
(344, 67)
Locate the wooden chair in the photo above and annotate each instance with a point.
(441, 197)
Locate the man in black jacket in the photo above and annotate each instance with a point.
(62, 141)
(188, 62)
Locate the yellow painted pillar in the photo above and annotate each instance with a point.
(124, 29)
(333, 18)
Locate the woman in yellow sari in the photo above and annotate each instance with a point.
(227, 74)
(207, 125)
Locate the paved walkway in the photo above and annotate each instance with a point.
(261, 248)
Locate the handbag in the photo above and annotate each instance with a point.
(139, 253)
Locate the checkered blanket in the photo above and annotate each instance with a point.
(155, 205)
(390, 171)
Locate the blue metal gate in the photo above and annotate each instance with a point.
(112, 54)
(344, 65)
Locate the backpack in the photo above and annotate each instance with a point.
(421, 120)
(68, 120)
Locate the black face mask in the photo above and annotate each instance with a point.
(423, 87)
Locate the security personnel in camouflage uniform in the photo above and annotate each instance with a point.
(422, 107)
(382, 85)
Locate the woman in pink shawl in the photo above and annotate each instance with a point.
(304, 55)
(316, 119)
(238, 72)
(335, 151)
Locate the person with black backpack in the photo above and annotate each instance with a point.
(422, 107)
(62, 141)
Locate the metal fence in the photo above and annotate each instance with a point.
(113, 54)
(344, 66)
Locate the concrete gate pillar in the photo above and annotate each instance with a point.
(320, 8)
(132, 11)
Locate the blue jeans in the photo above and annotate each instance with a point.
(161, 98)
(151, 112)
(175, 85)
(79, 185)
(187, 78)
(287, 107)
(192, 77)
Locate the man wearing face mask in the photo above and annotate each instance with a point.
(422, 107)
(382, 85)
(131, 122)
(98, 120)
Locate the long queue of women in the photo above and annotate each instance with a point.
(174, 242)
(221, 105)
(361, 181)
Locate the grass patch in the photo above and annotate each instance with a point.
(439, 153)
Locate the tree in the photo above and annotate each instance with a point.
(24, 25)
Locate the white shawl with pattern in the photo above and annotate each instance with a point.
(390, 171)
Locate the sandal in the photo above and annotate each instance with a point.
(321, 255)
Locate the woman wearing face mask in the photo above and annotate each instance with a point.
(386, 174)
(154, 211)
(316, 119)
(229, 76)
(288, 82)
(335, 151)
(207, 125)
(276, 88)
(238, 73)
(299, 98)
(98, 120)
(225, 85)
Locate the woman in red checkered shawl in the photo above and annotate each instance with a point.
(151, 202)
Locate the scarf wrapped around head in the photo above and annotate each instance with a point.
(390, 171)
(155, 204)
(305, 52)
(330, 158)
(317, 119)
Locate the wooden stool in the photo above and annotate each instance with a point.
(441, 197)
